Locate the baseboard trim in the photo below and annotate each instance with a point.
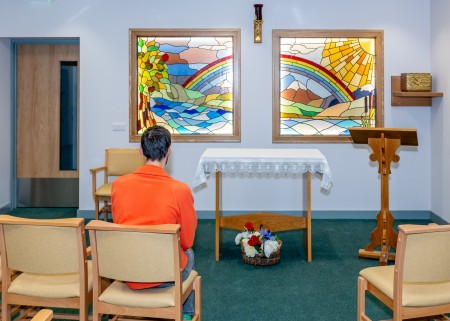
(401, 215)
(88, 214)
(437, 219)
(5, 208)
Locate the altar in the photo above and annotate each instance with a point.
(268, 162)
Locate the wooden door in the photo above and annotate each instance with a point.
(38, 127)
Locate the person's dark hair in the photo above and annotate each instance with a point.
(155, 142)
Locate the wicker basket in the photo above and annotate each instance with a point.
(261, 259)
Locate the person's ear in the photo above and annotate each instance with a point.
(141, 151)
(169, 151)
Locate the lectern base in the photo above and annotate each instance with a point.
(375, 255)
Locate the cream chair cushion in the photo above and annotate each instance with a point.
(414, 294)
(426, 258)
(104, 190)
(119, 247)
(121, 161)
(50, 285)
(118, 293)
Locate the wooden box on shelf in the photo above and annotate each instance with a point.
(410, 98)
(416, 82)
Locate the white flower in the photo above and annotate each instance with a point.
(240, 236)
(250, 251)
(246, 234)
(269, 247)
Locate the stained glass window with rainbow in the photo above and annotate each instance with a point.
(185, 84)
(327, 85)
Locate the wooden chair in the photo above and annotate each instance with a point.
(50, 260)
(43, 315)
(14, 309)
(118, 162)
(140, 254)
(418, 285)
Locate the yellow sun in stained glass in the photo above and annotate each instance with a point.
(352, 60)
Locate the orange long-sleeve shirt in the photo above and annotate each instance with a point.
(149, 196)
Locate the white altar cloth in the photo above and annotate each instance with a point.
(240, 160)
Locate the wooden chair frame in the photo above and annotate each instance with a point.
(105, 208)
(105, 200)
(14, 309)
(9, 299)
(43, 315)
(401, 312)
(124, 312)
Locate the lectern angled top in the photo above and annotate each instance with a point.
(407, 136)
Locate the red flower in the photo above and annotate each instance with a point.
(254, 240)
(249, 226)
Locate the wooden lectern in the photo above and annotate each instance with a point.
(384, 143)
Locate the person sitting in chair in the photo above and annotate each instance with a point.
(149, 196)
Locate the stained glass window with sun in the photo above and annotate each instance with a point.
(327, 84)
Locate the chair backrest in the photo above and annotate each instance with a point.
(121, 161)
(423, 253)
(42, 246)
(135, 253)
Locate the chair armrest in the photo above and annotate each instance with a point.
(97, 169)
(43, 315)
(94, 172)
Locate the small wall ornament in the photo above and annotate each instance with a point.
(415, 81)
(257, 24)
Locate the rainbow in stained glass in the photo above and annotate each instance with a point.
(327, 85)
(185, 84)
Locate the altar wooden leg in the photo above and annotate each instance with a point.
(217, 215)
(308, 217)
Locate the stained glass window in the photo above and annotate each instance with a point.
(328, 82)
(187, 82)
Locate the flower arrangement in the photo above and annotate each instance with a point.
(261, 242)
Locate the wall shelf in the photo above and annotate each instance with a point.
(410, 98)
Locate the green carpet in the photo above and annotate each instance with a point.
(44, 213)
(293, 290)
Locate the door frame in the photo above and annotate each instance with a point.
(14, 43)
